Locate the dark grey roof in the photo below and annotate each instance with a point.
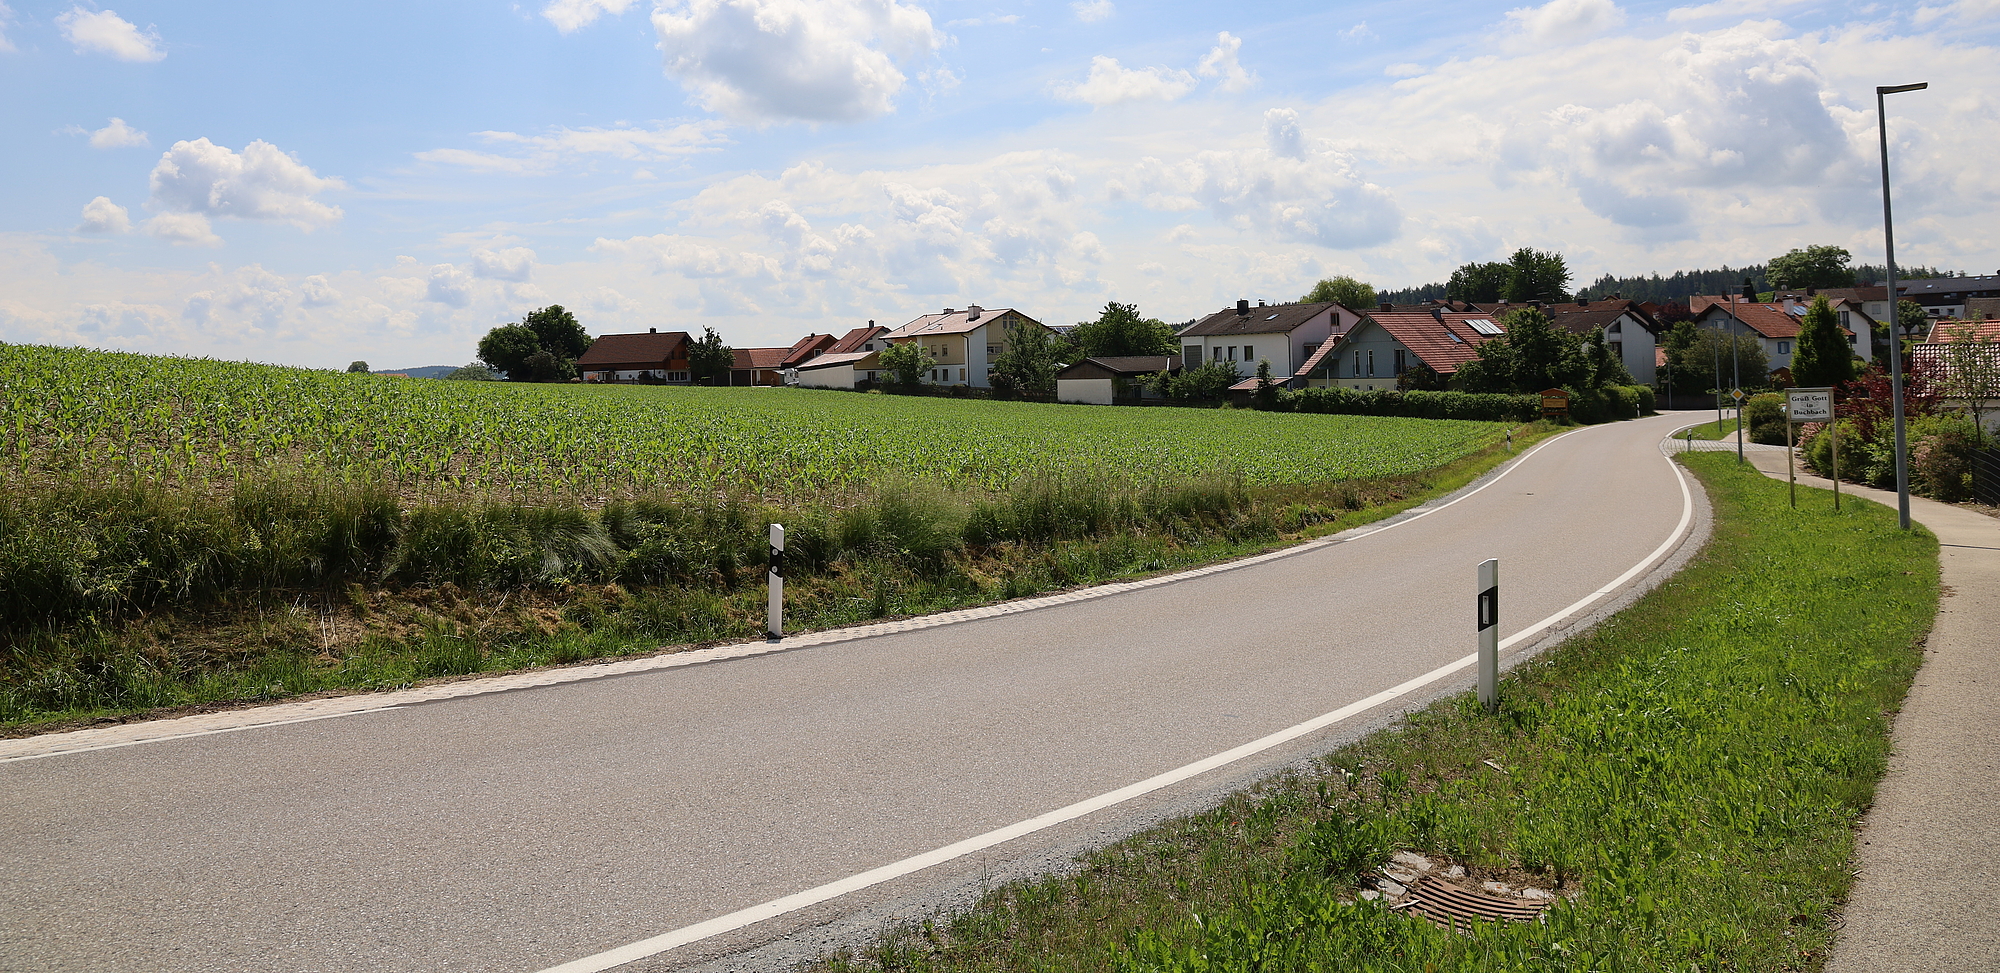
(1269, 319)
(1951, 287)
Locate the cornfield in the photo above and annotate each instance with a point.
(78, 417)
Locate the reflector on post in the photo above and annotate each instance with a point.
(1489, 633)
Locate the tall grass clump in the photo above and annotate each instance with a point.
(1685, 779)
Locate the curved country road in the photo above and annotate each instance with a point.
(548, 827)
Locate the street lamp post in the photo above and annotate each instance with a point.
(1895, 317)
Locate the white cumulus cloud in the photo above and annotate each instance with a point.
(116, 135)
(1110, 83)
(318, 291)
(1560, 21)
(574, 15)
(1220, 62)
(183, 229)
(104, 32)
(793, 60)
(1292, 188)
(101, 215)
(449, 285)
(514, 263)
(203, 179)
(6, 20)
(1092, 11)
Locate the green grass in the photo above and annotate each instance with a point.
(1690, 772)
(1713, 431)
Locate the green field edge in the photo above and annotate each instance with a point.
(1685, 778)
(452, 644)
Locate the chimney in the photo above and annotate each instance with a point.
(973, 311)
(871, 322)
(1242, 307)
(1812, 291)
(950, 310)
(652, 331)
(1386, 306)
(1438, 313)
(1582, 301)
(1260, 303)
(1749, 292)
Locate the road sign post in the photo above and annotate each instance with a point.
(1811, 405)
(1489, 634)
(775, 614)
(1737, 394)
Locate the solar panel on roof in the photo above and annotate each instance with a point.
(1483, 326)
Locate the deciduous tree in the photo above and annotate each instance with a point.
(906, 363)
(1033, 357)
(1536, 275)
(1344, 291)
(709, 358)
(1121, 332)
(1814, 266)
(552, 331)
(1477, 282)
(357, 368)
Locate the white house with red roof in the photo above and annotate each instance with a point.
(963, 343)
(1775, 326)
(655, 356)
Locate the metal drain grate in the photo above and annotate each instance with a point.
(1458, 908)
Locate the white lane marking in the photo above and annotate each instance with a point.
(196, 733)
(633, 952)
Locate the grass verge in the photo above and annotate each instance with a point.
(177, 602)
(1689, 773)
(1714, 431)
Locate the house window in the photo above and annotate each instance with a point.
(1247, 354)
(1784, 347)
(1309, 348)
(1402, 361)
(992, 349)
(961, 374)
(1617, 349)
(1357, 363)
(1218, 352)
(1232, 352)
(1843, 319)
(1189, 354)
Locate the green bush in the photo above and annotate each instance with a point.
(1941, 451)
(1413, 404)
(1765, 415)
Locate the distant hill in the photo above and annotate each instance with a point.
(427, 371)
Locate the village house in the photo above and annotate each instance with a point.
(1286, 335)
(1967, 375)
(848, 363)
(1104, 381)
(1630, 332)
(963, 343)
(757, 366)
(655, 356)
(1385, 344)
(1776, 328)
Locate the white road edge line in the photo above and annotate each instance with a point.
(197, 733)
(633, 952)
(749, 650)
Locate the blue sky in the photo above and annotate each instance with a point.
(386, 181)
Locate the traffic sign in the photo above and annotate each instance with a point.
(1736, 394)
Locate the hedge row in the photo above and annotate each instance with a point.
(1595, 405)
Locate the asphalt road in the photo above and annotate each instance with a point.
(519, 831)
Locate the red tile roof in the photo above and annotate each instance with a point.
(956, 321)
(1944, 331)
(650, 350)
(853, 340)
(1444, 341)
(806, 349)
(1769, 320)
(759, 358)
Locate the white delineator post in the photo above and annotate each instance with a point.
(1489, 634)
(775, 620)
